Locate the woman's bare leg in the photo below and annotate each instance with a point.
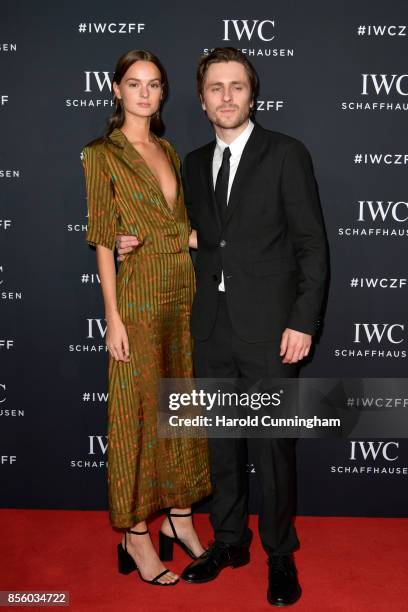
(141, 548)
(184, 528)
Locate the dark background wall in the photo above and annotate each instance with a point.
(55, 97)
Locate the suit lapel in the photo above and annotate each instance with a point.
(246, 168)
(207, 179)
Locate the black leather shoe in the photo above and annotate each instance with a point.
(284, 588)
(213, 560)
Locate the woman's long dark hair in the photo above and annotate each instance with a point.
(124, 62)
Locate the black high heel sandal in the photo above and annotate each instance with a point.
(127, 564)
(166, 542)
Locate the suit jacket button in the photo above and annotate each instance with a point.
(214, 277)
(223, 243)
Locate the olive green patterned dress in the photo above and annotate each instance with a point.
(155, 287)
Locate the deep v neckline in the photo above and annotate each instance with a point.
(153, 174)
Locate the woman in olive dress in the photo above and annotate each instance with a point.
(134, 187)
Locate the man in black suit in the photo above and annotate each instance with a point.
(261, 270)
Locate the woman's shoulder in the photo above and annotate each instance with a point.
(170, 147)
(94, 148)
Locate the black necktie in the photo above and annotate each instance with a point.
(221, 184)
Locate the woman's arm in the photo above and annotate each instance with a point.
(101, 234)
(116, 336)
(192, 240)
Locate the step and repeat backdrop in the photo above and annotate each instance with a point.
(333, 75)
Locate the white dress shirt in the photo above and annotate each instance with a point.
(236, 147)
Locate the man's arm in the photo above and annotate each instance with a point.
(308, 237)
(125, 244)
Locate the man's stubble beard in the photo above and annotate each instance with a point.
(241, 119)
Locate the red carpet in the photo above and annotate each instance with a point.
(345, 564)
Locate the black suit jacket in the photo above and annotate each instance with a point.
(272, 246)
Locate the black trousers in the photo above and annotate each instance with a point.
(225, 355)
